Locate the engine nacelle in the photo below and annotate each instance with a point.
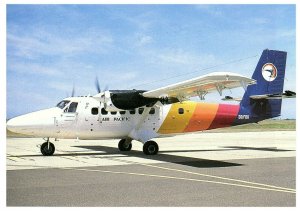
(119, 100)
(130, 99)
(109, 106)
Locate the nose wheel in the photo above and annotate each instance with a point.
(47, 148)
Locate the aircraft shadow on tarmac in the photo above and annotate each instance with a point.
(177, 159)
(188, 161)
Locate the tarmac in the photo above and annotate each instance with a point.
(246, 169)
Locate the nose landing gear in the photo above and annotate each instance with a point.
(47, 148)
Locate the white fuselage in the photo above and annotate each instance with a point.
(90, 122)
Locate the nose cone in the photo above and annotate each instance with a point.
(21, 124)
(12, 124)
(33, 123)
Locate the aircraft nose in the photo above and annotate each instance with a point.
(33, 123)
(18, 124)
(11, 124)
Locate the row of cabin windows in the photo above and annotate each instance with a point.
(73, 106)
(140, 111)
(104, 112)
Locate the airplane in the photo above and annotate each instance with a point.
(143, 115)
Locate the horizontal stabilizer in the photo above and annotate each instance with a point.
(229, 98)
(286, 94)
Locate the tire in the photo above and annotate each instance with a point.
(47, 151)
(150, 148)
(123, 146)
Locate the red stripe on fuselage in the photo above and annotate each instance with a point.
(225, 116)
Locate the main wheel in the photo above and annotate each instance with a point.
(124, 146)
(150, 148)
(46, 149)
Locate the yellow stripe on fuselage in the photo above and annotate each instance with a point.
(203, 116)
(175, 122)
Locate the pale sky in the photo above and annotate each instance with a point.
(52, 47)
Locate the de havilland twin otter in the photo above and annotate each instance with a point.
(143, 115)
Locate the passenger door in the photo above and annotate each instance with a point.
(152, 118)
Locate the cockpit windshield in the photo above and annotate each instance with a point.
(62, 104)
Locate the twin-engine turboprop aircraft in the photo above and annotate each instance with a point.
(143, 115)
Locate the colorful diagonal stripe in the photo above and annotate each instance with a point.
(198, 117)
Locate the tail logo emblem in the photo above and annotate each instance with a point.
(269, 72)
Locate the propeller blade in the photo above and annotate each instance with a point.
(97, 85)
(73, 91)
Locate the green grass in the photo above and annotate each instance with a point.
(266, 125)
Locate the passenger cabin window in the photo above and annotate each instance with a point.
(132, 111)
(180, 110)
(141, 110)
(122, 112)
(103, 111)
(95, 111)
(113, 113)
(72, 108)
(62, 104)
(152, 111)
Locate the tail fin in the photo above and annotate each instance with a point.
(269, 75)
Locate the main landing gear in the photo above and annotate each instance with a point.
(47, 148)
(149, 148)
(125, 145)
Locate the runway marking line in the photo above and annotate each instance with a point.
(17, 158)
(206, 175)
(178, 178)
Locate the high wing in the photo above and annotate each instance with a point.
(200, 86)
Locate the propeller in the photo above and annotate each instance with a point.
(97, 84)
(73, 91)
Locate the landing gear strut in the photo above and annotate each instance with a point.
(150, 148)
(47, 148)
(125, 145)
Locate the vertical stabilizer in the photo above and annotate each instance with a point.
(269, 75)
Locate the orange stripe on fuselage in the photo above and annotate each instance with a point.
(202, 118)
(175, 122)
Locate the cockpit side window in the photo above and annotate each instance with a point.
(62, 104)
(72, 107)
